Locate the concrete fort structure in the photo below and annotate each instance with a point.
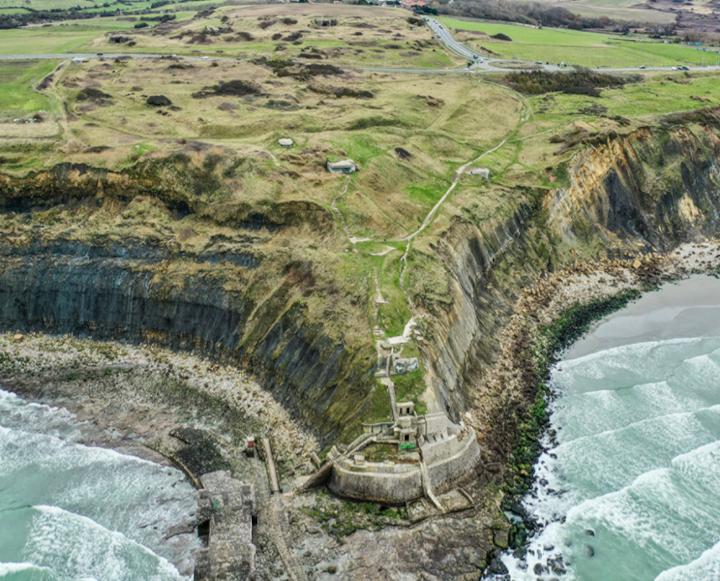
(401, 461)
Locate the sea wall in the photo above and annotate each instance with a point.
(453, 461)
(449, 460)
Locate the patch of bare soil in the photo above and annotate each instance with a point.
(94, 95)
(341, 91)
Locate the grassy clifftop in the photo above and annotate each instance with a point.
(178, 161)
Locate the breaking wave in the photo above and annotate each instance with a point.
(71, 511)
(630, 486)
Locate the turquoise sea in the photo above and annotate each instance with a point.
(629, 486)
(74, 512)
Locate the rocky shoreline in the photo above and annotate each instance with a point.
(549, 317)
(139, 399)
(132, 392)
(170, 408)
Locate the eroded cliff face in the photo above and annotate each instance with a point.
(164, 252)
(646, 191)
(203, 186)
(651, 189)
(98, 253)
(486, 268)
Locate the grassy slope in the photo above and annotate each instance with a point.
(391, 41)
(581, 48)
(65, 37)
(17, 81)
(534, 158)
(388, 197)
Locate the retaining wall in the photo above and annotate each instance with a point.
(449, 462)
(387, 483)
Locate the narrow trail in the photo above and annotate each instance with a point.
(429, 396)
(379, 298)
(524, 117)
(52, 92)
(280, 531)
(340, 215)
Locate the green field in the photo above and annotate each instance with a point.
(528, 154)
(653, 97)
(588, 49)
(49, 4)
(57, 38)
(17, 79)
(67, 4)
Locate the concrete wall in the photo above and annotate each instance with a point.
(388, 483)
(449, 461)
(458, 463)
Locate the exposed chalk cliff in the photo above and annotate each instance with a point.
(652, 189)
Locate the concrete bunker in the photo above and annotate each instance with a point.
(344, 166)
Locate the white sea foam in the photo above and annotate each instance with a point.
(635, 476)
(72, 545)
(705, 568)
(13, 568)
(99, 514)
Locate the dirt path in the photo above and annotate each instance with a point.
(339, 214)
(524, 116)
(280, 530)
(52, 92)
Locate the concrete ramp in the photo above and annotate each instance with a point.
(427, 488)
(230, 506)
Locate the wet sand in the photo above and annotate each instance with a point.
(687, 308)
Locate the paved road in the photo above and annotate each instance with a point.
(450, 42)
(477, 63)
(481, 64)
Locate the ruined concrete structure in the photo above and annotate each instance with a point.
(344, 166)
(231, 515)
(405, 364)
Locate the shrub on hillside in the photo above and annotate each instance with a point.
(576, 81)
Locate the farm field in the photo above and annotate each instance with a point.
(587, 49)
(94, 5)
(66, 37)
(355, 35)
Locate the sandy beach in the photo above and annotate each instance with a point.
(686, 308)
